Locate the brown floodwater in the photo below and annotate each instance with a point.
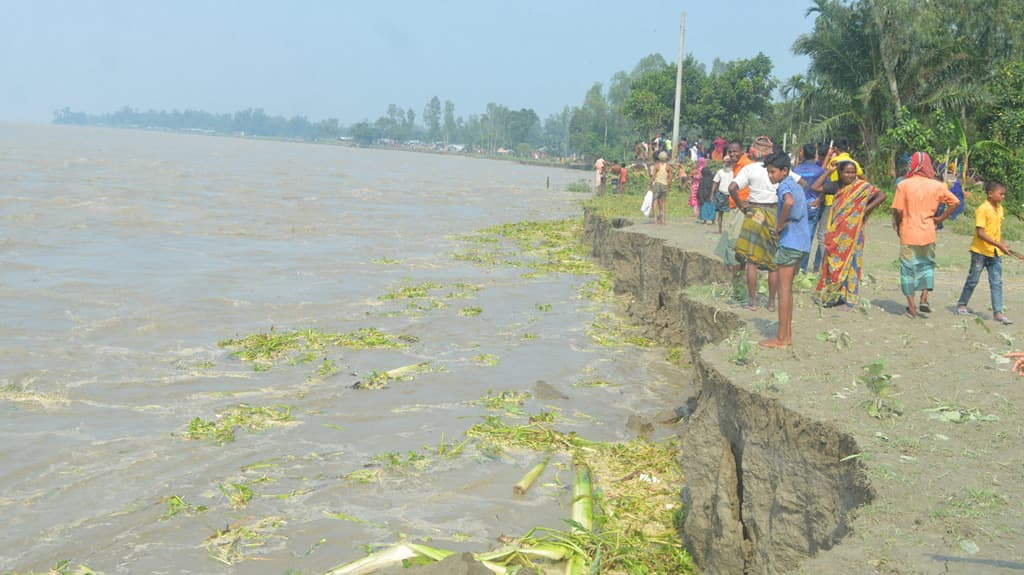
(126, 256)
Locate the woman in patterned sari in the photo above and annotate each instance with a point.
(844, 237)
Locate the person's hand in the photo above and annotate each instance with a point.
(1018, 363)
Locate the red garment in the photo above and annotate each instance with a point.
(921, 165)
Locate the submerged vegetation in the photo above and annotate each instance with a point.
(625, 501)
(222, 429)
(626, 494)
(265, 350)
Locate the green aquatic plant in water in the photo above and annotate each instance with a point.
(506, 400)
(610, 330)
(222, 429)
(232, 544)
(176, 505)
(303, 346)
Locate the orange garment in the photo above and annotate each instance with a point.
(918, 197)
(743, 193)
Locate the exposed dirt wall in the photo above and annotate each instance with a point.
(766, 487)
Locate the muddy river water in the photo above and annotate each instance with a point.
(126, 256)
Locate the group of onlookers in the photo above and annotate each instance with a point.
(770, 212)
(774, 211)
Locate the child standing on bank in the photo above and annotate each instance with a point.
(986, 248)
(794, 238)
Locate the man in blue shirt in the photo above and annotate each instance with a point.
(809, 172)
(794, 241)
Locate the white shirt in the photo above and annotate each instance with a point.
(762, 190)
(723, 178)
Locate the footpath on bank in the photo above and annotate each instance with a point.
(875, 444)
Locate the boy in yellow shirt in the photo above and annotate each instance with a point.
(986, 248)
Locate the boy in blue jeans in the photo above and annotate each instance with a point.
(986, 248)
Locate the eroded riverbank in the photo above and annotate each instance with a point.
(788, 467)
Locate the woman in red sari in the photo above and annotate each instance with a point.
(844, 236)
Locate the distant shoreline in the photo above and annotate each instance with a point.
(327, 142)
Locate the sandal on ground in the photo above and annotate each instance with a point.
(924, 307)
(906, 313)
(1003, 319)
(963, 311)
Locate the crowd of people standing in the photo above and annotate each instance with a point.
(771, 211)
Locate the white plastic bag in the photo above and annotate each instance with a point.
(648, 201)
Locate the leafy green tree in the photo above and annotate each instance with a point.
(731, 100)
(450, 126)
(432, 118)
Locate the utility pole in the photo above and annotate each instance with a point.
(679, 89)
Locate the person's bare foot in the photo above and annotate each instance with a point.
(773, 343)
(770, 308)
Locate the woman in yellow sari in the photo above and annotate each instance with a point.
(844, 236)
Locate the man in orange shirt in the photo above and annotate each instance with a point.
(913, 217)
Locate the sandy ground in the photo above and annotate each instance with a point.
(941, 439)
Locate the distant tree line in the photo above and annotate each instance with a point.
(893, 76)
(251, 122)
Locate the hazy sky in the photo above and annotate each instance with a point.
(350, 59)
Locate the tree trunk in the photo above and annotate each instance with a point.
(889, 60)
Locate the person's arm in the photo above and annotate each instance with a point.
(1018, 364)
(897, 219)
(819, 184)
(876, 199)
(734, 193)
(783, 220)
(951, 203)
(988, 239)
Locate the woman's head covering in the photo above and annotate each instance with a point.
(921, 165)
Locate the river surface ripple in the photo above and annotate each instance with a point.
(126, 256)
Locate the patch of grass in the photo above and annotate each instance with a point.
(579, 187)
(62, 567)
(397, 461)
(543, 307)
(249, 418)
(487, 359)
(598, 290)
(506, 400)
(327, 368)
(545, 247)
(410, 291)
(610, 330)
(675, 355)
(235, 542)
(709, 292)
(18, 393)
(386, 261)
(380, 379)
(471, 311)
(595, 382)
(638, 494)
(238, 494)
(176, 505)
(303, 346)
(973, 504)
